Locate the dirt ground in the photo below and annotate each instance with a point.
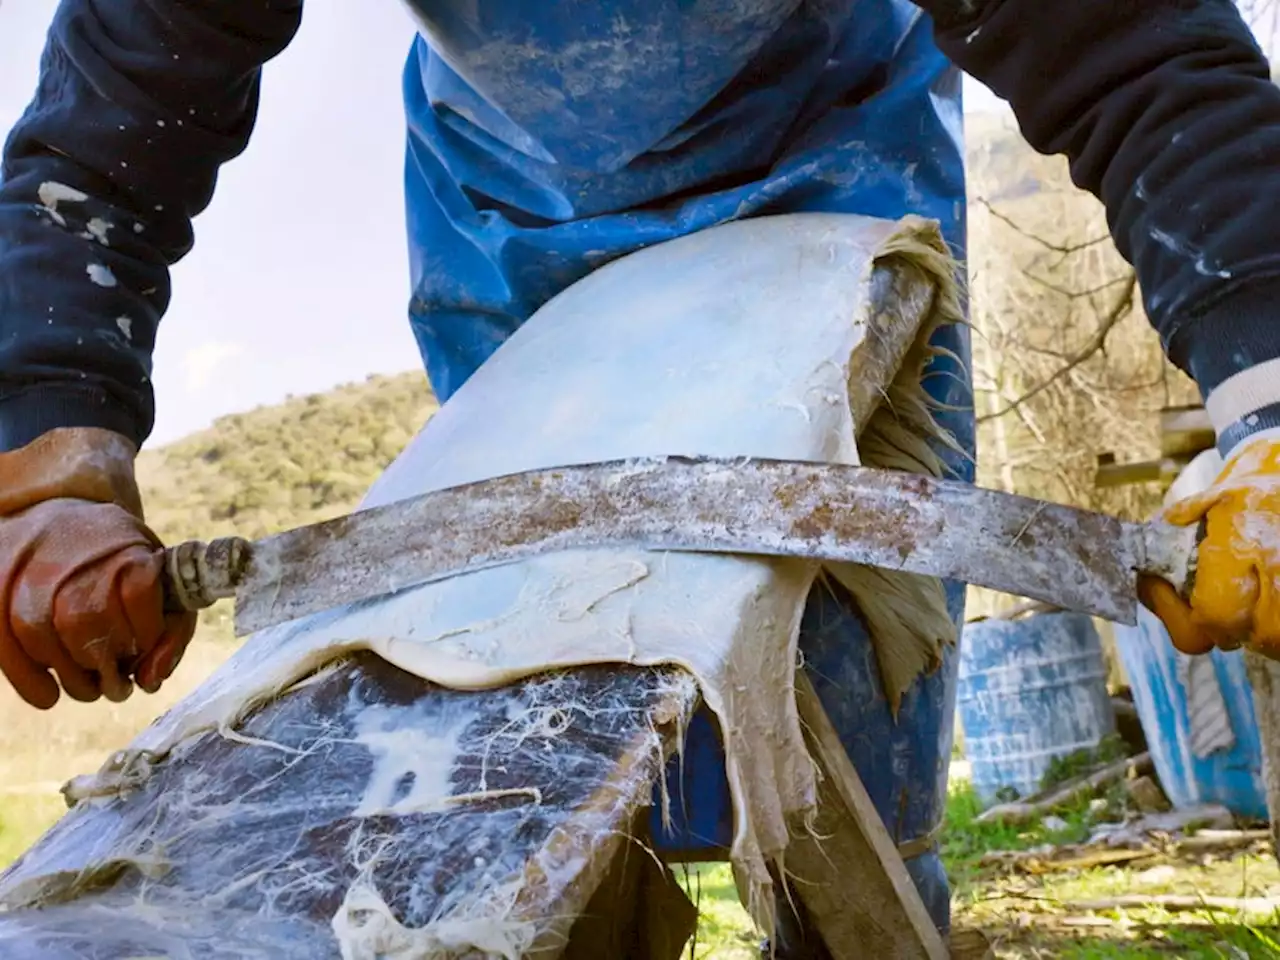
(1074, 914)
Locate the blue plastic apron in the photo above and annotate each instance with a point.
(545, 140)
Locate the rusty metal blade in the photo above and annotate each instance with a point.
(1072, 558)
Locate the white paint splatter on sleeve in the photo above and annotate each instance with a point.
(96, 229)
(1183, 248)
(51, 193)
(126, 327)
(101, 275)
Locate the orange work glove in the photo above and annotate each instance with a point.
(1235, 592)
(80, 586)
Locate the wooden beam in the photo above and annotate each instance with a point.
(1264, 677)
(846, 869)
(596, 840)
(1185, 432)
(1189, 419)
(1166, 470)
(638, 912)
(902, 298)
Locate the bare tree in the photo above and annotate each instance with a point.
(1065, 363)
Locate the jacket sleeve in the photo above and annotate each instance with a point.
(1167, 112)
(138, 104)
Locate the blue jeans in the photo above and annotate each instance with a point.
(839, 106)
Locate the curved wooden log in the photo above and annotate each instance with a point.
(507, 813)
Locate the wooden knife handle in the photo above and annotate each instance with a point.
(198, 575)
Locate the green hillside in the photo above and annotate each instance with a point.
(308, 459)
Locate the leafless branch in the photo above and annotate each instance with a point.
(1076, 294)
(1064, 249)
(1119, 310)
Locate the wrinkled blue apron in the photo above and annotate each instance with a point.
(544, 144)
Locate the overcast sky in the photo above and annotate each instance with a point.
(299, 277)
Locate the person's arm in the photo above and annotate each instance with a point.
(1167, 112)
(138, 104)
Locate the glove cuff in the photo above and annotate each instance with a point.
(81, 463)
(1244, 405)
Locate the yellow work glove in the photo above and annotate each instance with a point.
(1235, 591)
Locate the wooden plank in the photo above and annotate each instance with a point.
(902, 297)
(601, 835)
(1264, 677)
(846, 869)
(638, 912)
(1188, 419)
(1111, 474)
(1185, 432)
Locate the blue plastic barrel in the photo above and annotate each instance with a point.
(1030, 690)
(1230, 774)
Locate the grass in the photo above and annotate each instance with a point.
(725, 931)
(41, 751)
(1028, 917)
(1032, 916)
(965, 840)
(1061, 769)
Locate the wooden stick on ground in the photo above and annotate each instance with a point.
(1026, 811)
(1063, 859)
(1222, 840)
(1176, 903)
